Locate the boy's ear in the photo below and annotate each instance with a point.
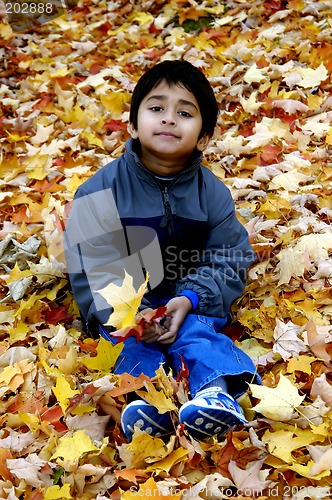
(203, 142)
(132, 131)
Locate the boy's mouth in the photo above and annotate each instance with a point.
(168, 134)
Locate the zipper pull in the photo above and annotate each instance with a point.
(163, 222)
(165, 219)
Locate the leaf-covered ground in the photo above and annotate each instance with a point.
(65, 90)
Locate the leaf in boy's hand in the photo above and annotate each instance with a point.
(138, 329)
(125, 302)
(124, 334)
(154, 314)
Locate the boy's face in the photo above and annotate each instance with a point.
(169, 123)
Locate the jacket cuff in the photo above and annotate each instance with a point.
(192, 296)
(201, 292)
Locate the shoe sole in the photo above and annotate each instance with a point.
(146, 418)
(203, 423)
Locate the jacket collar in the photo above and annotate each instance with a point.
(135, 164)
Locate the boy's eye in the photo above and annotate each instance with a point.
(185, 114)
(156, 108)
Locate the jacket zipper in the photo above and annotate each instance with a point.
(167, 219)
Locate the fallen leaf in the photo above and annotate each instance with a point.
(63, 392)
(58, 493)
(322, 456)
(107, 354)
(250, 480)
(72, 447)
(156, 398)
(318, 340)
(287, 341)
(278, 403)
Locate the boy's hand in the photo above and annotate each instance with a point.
(152, 331)
(177, 310)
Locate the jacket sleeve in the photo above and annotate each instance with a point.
(96, 252)
(221, 275)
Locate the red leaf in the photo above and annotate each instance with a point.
(270, 153)
(123, 335)
(154, 314)
(115, 125)
(137, 330)
(54, 316)
(184, 371)
(234, 331)
(44, 101)
(53, 415)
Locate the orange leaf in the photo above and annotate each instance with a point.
(191, 13)
(32, 405)
(128, 383)
(137, 330)
(131, 474)
(5, 473)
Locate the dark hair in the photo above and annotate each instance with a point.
(184, 73)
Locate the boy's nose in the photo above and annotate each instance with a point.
(171, 121)
(168, 119)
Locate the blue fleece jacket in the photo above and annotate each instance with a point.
(185, 235)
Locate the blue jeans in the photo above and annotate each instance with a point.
(206, 352)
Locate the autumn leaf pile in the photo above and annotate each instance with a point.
(65, 91)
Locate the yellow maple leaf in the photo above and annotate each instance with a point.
(277, 403)
(125, 301)
(141, 17)
(302, 364)
(305, 470)
(63, 392)
(82, 409)
(74, 182)
(17, 274)
(75, 114)
(165, 465)
(17, 137)
(57, 493)
(35, 424)
(107, 354)
(38, 166)
(115, 103)
(71, 448)
(144, 449)
(281, 443)
(158, 399)
(92, 139)
(18, 332)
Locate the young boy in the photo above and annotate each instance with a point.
(156, 209)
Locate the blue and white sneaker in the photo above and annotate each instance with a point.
(147, 418)
(212, 412)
